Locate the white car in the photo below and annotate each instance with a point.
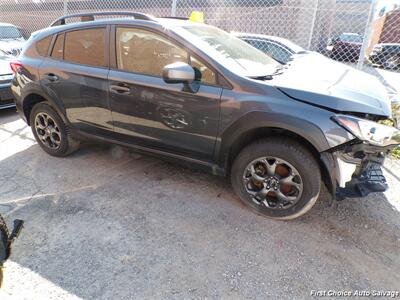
(6, 98)
(11, 39)
(278, 48)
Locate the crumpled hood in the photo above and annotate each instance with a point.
(318, 80)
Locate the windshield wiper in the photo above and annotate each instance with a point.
(262, 77)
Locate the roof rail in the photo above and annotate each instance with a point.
(90, 16)
(176, 18)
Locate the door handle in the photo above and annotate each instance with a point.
(120, 89)
(52, 77)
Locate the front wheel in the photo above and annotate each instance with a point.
(277, 177)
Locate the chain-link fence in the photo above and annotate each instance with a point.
(352, 31)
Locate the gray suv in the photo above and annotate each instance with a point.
(193, 93)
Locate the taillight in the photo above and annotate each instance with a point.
(15, 65)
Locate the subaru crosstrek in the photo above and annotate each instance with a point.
(193, 93)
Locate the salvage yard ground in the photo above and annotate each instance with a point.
(106, 223)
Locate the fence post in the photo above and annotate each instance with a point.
(367, 35)
(65, 7)
(314, 18)
(173, 8)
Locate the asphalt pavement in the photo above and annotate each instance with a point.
(106, 223)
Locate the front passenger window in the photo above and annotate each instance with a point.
(144, 52)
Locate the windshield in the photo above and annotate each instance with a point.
(351, 38)
(233, 53)
(9, 32)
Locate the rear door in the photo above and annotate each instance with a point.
(76, 73)
(148, 111)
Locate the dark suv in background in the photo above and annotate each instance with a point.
(345, 47)
(193, 93)
(386, 55)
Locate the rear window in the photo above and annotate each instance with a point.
(9, 32)
(85, 47)
(42, 46)
(351, 38)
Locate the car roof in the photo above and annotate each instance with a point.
(388, 44)
(7, 24)
(351, 33)
(288, 43)
(156, 23)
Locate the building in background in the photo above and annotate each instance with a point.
(386, 27)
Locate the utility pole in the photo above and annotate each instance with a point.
(173, 8)
(367, 34)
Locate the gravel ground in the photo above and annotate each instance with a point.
(106, 223)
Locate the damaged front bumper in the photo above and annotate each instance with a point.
(355, 169)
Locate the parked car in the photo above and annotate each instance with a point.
(193, 93)
(278, 48)
(345, 47)
(6, 75)
(11, 39)
(386, 55)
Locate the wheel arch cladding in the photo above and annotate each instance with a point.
(34, 98)
(29, 102)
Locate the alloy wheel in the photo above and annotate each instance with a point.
(47, 130)
(273, 182)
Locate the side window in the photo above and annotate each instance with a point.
(58, 48)
(43, 45)
(85, 47)
(205, 74)
(144, 52)
(259, 45)
(280, 54)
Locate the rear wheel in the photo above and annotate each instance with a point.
(51, 132)
(278, 178)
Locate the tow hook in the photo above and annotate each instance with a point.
(6, 240)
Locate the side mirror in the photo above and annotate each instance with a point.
(181, 72)
(178, 72)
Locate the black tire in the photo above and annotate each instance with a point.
(67, 143)
(291, 152)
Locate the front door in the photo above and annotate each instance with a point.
(150, 112)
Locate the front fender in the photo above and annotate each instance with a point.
(260, 119)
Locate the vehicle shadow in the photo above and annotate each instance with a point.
(8, 115)
(108, 223)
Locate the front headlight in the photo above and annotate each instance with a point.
(366, 130)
